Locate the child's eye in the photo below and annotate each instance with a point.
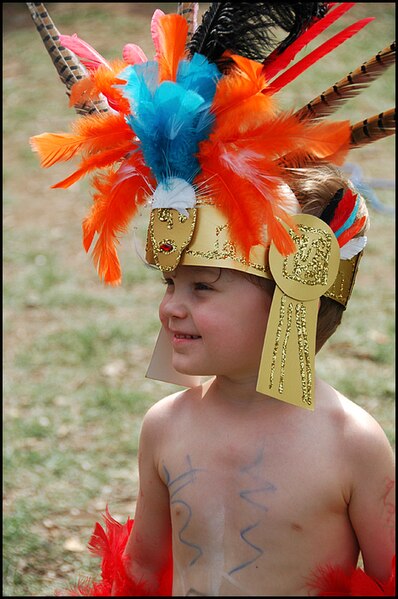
(202, 287)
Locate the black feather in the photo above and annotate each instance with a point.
(250, 29)
(330, 209)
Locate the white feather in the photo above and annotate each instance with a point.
(352, 247)
(174, 193)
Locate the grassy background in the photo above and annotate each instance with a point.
(75, 352)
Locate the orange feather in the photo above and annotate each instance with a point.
(239, 98)
(92, 134)
(241, 160)
(101, 81)
(55, 147)
(105, 79)
(172, 31)
(251, 204)
(103, 131)
(84, 89)
(324, 141)
(115, 203)
(100, 160)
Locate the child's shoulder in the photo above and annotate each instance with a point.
(171, 405)
(360, 428)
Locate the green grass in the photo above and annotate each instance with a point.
(76, 352)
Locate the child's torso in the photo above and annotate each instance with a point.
(254, 509)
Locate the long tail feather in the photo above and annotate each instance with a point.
(69, 68)
(349, 86)
(373, 128)
(189, 10)
(303, 64)
(278, 61)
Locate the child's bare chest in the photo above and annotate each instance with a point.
(245, 476)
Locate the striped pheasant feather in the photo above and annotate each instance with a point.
(189, 10)
(69, 68)
(349, 86)
(373, 128)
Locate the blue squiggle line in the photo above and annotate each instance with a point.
(265, 488)
(190, 472)
(258, 549)
(184, 526)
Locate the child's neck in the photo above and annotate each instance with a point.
(237, 391)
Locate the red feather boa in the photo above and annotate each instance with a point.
(109, 544)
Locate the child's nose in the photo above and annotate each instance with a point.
(174, 307)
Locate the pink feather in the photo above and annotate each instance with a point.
(89, 57)
(133, 54)
(155, 31)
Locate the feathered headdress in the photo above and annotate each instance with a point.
(201, 119)
(196, 133)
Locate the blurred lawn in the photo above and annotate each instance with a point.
(76, 352)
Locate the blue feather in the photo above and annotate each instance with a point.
(171, 118)
(199, 75)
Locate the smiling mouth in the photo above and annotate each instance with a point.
(178, 336)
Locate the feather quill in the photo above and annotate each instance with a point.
(349, 86)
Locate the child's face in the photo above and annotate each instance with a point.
(216, 320)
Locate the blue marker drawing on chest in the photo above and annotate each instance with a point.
(255, 497)
(175, 486)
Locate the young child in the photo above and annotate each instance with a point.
(255, 493)
(259, 479)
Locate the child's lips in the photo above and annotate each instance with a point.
(183, 338)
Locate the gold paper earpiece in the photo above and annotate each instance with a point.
(287, 362)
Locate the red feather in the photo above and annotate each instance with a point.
(273, 65)
(303, 64)
(172, 32)
(334, 581)
(343, 210)
(109, 544)
(351, 231)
